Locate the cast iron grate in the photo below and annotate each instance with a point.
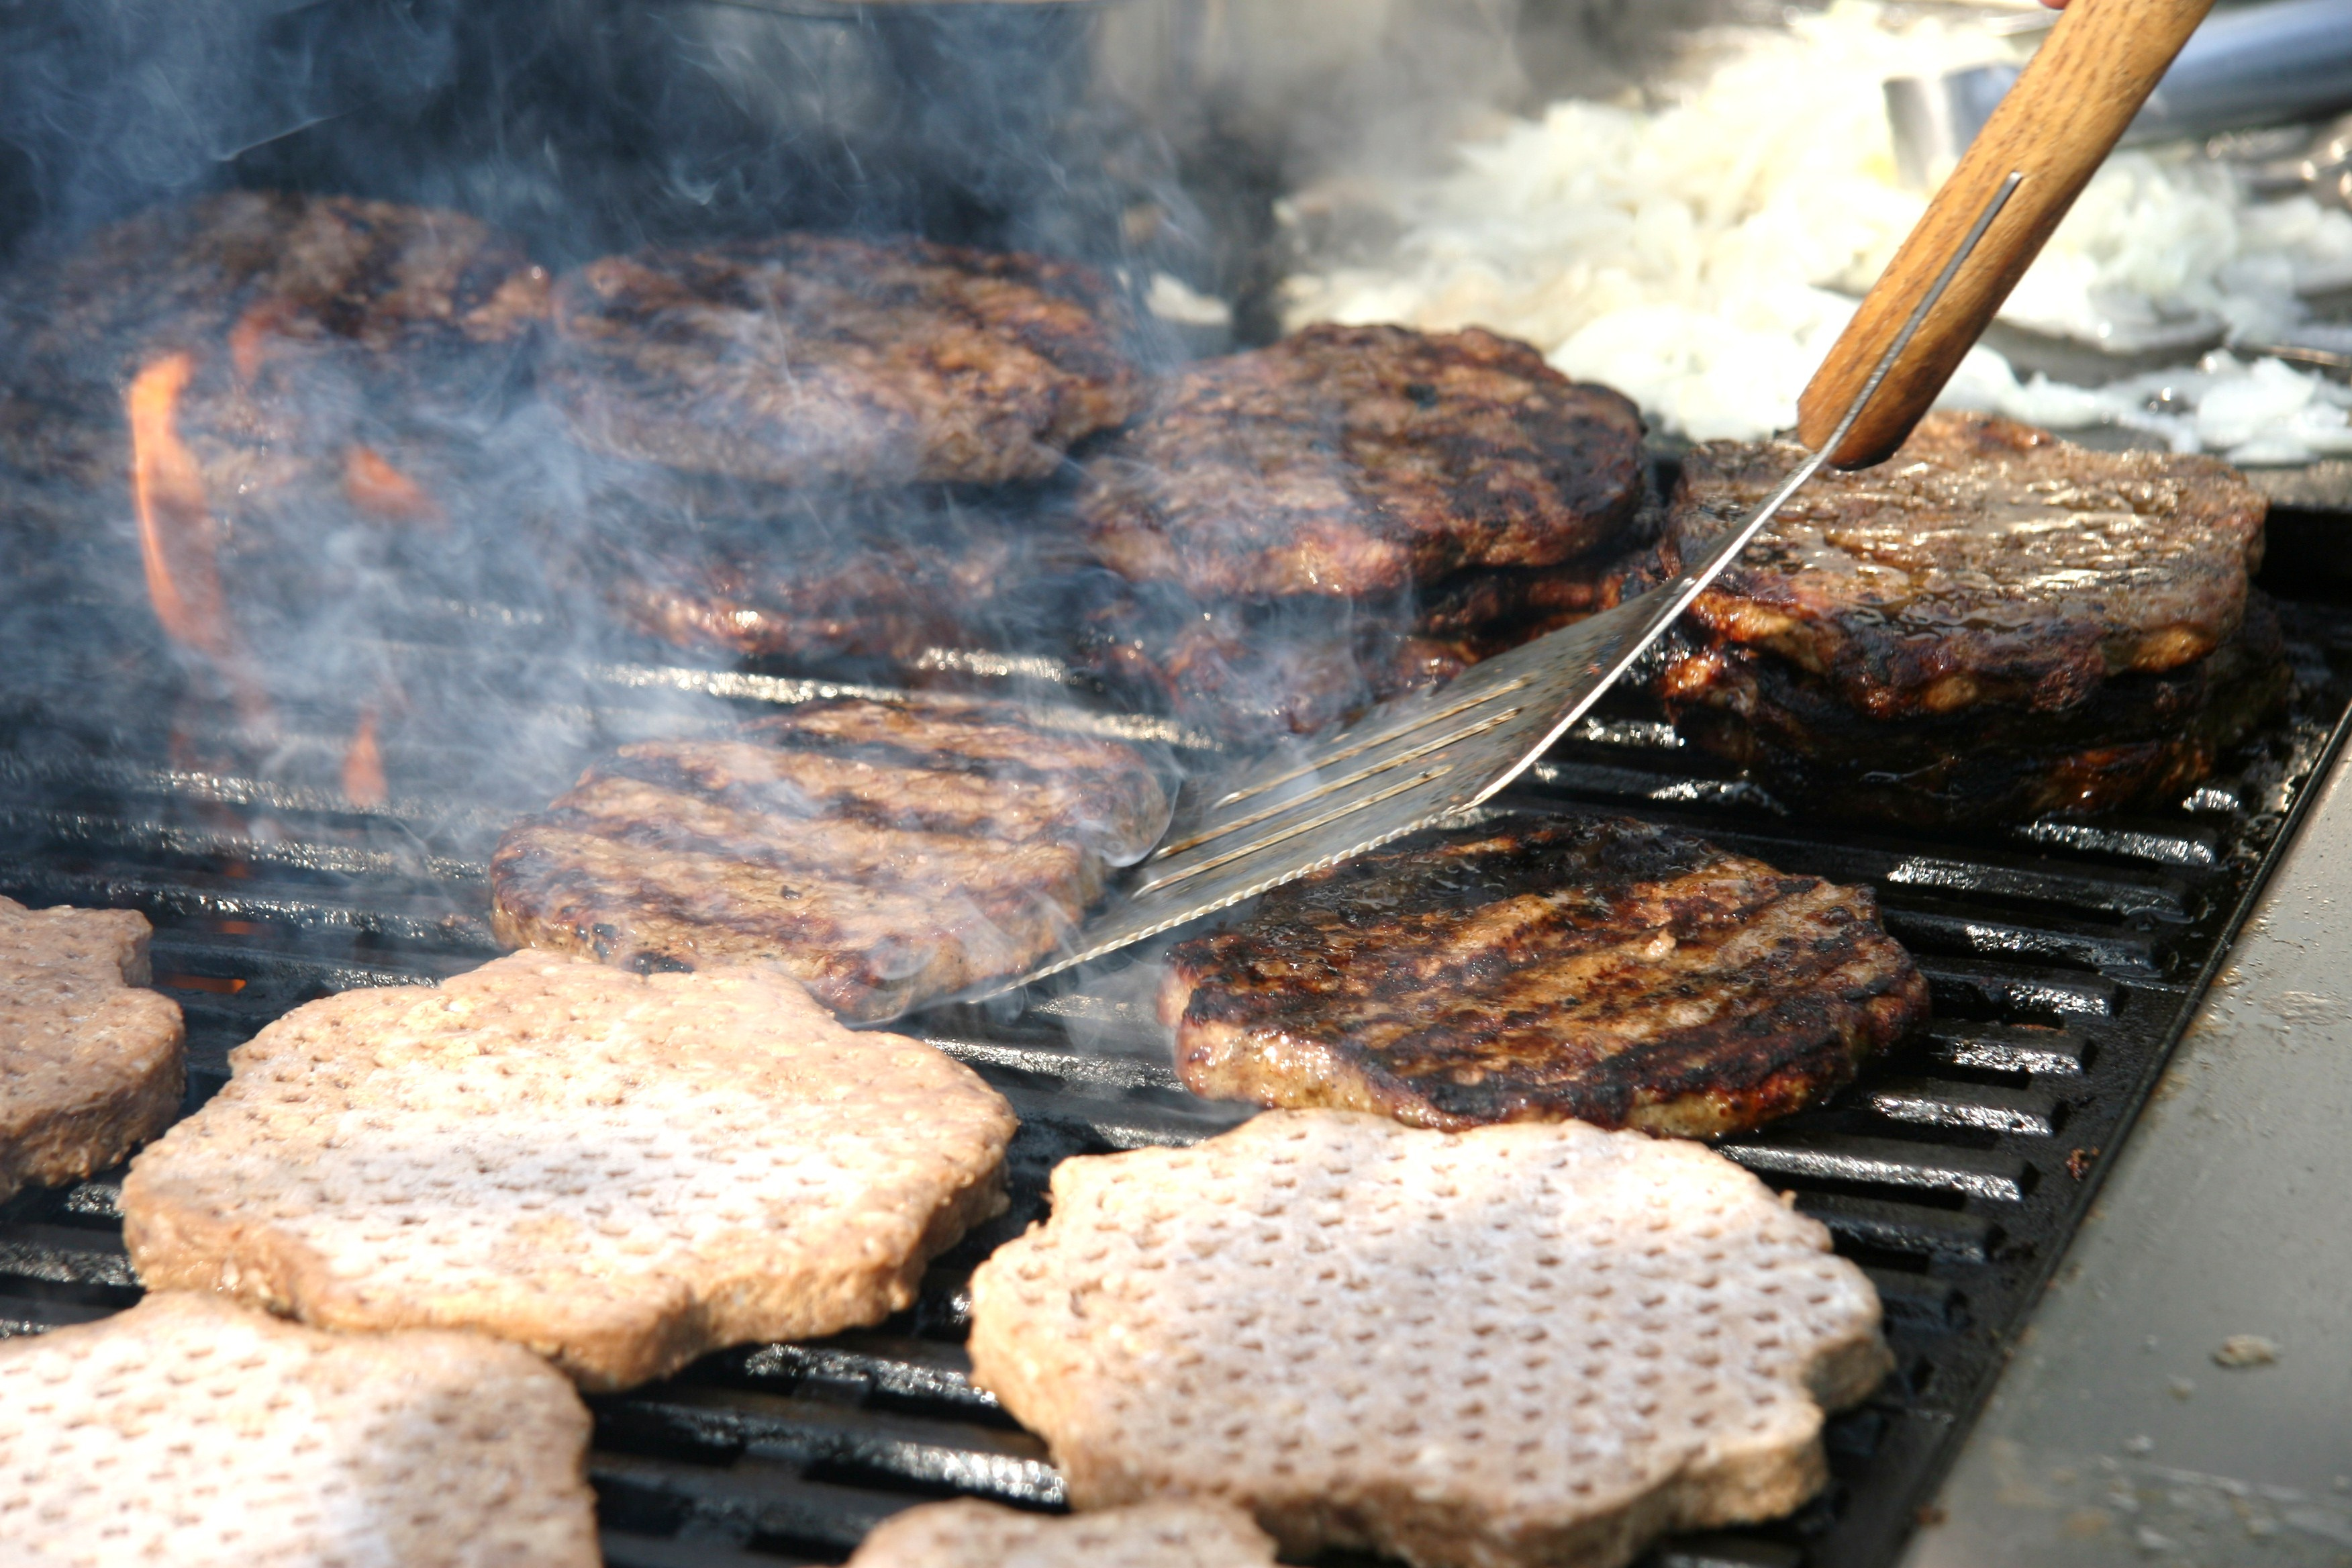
(2064, 960)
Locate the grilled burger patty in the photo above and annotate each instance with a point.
(1352, 460)
(1252, 672)
(1541, 968)
(1985, 561)
(807, 359)
(2137, 739)
(308, 321)
(763, 571)
(884, 854)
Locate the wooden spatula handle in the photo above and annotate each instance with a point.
(2054, 127)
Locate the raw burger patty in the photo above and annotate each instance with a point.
(1348, 461)
(1540, 968)
(807, 359)
(91, 1061)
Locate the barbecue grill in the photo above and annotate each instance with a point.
(292, 861)
(2066, 958)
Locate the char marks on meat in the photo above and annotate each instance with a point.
(1540, 968)
(1985, 561)
(1354, 460)
(315, 325)
(885, 854)
(806, 359)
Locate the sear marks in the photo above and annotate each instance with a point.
(1985, 561)
(1541, 968)
(1351, 461)
(315, 325)
(805, 359)
(884, 854)
(2136, 739)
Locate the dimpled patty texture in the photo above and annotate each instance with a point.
(618, 1171)
(965, 1533)
(1532, 1343)
(90, 1061)
(191, 1433)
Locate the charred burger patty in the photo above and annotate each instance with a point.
(807, 359)
(1541, 968)
(1354, 460)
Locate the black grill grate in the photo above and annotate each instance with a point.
(2064, 960)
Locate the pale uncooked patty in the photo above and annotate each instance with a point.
(1532, 1344)
(89, 1059)
(619, 1171)
(967, 1533)
(194, 1433)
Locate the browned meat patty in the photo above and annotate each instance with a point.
(1986, 561)
(2136, 739)
(1354, 460)
(1251, 673)
(1541, 968)
(763, 571)
(805, 359)
(884, 855)
(317, 330)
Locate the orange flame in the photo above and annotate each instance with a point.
(177, 541)
(375, 487)
(363, 780)
(248, 341)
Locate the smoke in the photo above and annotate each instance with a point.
(474, 633)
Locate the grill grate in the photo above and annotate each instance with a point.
(2065, 959)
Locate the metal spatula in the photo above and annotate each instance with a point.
(1412, 763)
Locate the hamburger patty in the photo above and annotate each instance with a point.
(804, 359)
(1541, 968)
(884, 854)
(762, 571)
(1249, 673)
(2137, 739)
(313, 324)
(1354, 460)
(1985, 561)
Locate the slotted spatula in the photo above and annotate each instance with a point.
(1409, 763)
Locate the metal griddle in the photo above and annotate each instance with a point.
(2064, 958)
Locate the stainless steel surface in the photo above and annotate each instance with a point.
(2117, 1435)
(2258, 64)
(1934, 119)
(1416, 761)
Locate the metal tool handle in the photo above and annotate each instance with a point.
(2052, 129)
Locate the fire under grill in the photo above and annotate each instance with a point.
(2066, 958)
